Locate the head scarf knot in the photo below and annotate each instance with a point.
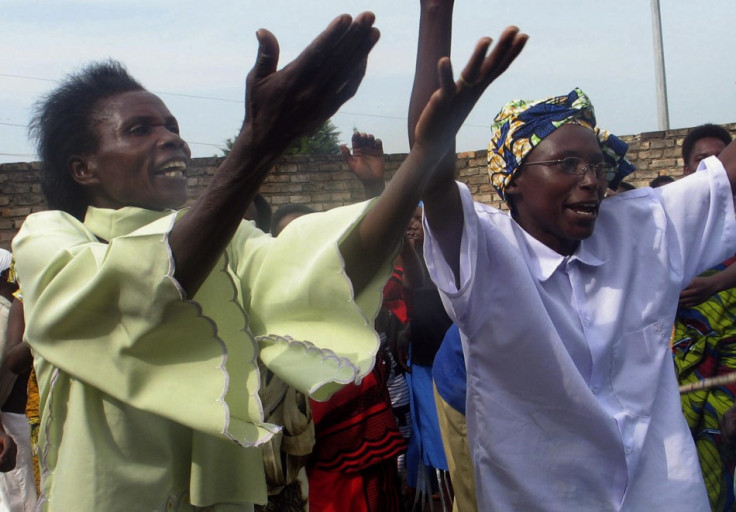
(522, 125)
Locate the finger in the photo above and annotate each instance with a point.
(444, 74)
(342, 88)
(349, 61)
(687, 293)
(268, 56)
(367, 140)
(314, 64)
(345, 151)
(471, 72)
(326, 55)
(379, 145)
(509, 47)
(352, 43)
(356, 138)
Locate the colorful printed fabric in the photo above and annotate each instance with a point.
(522, 125)
(395, 296)
(34, 419)
(353, 465)
(704, 345)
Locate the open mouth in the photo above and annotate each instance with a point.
(173, 169)
(585, 209)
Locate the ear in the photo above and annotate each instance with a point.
(512, 188)
(82, 170)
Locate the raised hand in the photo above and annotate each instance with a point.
(366, 162)
(452, 102)
(279, 107)
(285, 104)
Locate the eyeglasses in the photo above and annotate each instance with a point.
(578, 166)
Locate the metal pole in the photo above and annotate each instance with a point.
(663, 115)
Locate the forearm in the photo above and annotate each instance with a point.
(444, 212)
(725, 279)
(385, 223)
(728, 159)
(17, 357)
(413, 271)
(441, 200)
(373, 188)
(435, 37)
(200, 237)
(434, 42)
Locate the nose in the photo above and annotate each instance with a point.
(589, 179)
(170, 139)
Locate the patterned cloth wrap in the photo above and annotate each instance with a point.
(522, 125)
(703, 346)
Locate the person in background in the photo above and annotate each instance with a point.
(660, 181)
(286, 213)
(450, 384)
(259, 211)
(700, 143)
(704, 345)
(17, 486)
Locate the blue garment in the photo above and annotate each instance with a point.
(425, 443)
(448, 370)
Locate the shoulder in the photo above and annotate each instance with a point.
(50, 221)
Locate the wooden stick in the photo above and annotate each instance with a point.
(710, 382)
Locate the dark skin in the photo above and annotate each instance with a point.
(8, 447)
(18, 357)
(441, 200)
(367, 163)
(8, 451)
(702, 288)
(434, 43)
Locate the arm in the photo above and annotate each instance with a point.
(384, 224)
(280, 106)
(441, 200)
(8, 450)
(413, 270)
(702, 288)
(17, 357)
(728, 159)
(366, 162)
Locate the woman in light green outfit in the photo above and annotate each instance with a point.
(147, 322)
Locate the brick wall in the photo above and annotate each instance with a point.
(324, 182)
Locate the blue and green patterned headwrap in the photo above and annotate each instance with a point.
(522, 125)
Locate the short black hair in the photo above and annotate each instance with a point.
(62, 127)
(701, 132)
(661, 180)
(625, 185)
(263, 213)
(287, 209)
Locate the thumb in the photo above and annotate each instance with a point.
(345, 151)
(268, 55)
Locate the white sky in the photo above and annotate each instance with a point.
(205, 48)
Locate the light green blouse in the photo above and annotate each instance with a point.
(150, 401)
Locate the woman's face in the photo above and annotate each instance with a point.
(140, 159)
(415, 231)
(556, 208)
